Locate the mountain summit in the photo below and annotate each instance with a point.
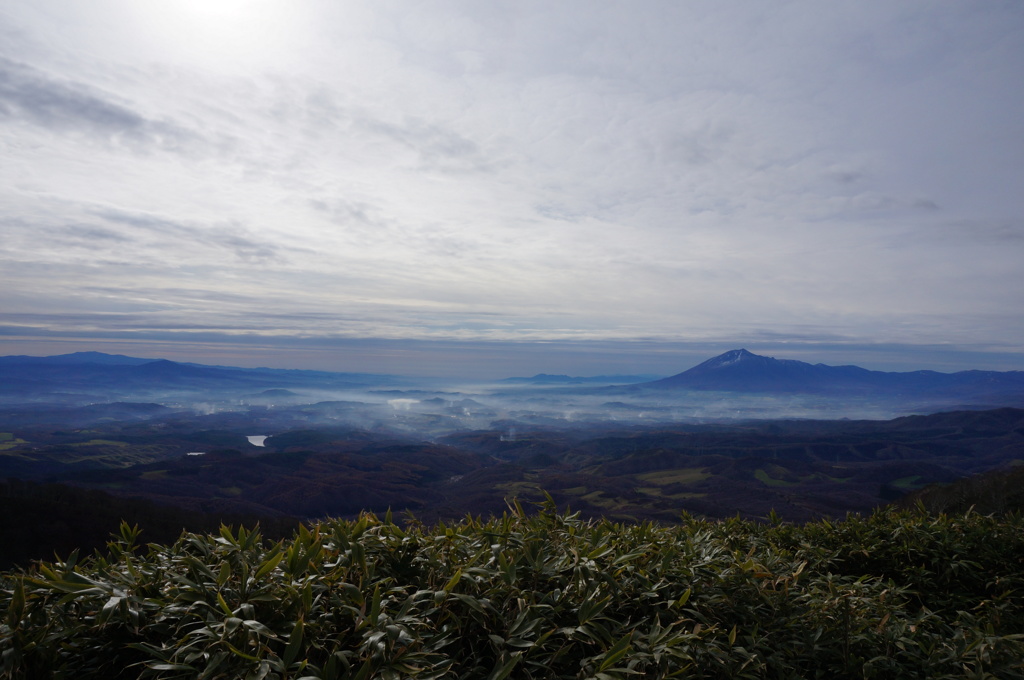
(731, 357)
(743, 371)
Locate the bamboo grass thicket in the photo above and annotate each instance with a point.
(897, 594)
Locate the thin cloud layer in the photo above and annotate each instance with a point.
(817, 175)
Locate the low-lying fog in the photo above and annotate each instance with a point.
(436, 411)
(276, 402)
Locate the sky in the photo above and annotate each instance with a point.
(507, 188)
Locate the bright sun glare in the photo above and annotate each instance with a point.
(242, 32)
(214, 9)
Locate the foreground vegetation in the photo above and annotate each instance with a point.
(549, 595)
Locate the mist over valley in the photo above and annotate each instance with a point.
(738, 433)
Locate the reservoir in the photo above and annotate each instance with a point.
(256, 439)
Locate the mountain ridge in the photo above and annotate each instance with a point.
(94, 376)
(109, 376)
(740, 370)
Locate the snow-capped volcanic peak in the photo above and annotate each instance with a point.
(731, 357)
(741, 371)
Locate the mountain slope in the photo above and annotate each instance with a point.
(94, 376)
(739, 370)
(72, 359)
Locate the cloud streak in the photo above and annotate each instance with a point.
(29, 95)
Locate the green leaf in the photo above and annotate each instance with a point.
(453, 581)
(224, 605)
(113, 602)
(470, 601)
(236, 651)
(375, 605)
(365, 671)
(503, 671)
(224, 574)
(215, 662)
(629, 557)
(259, 627)
(229, 538)
(617, 651)
(17, 607)
(268, 565)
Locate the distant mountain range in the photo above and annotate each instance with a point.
(89, 377)
(73, 359)
(741, 371)
(70, 376)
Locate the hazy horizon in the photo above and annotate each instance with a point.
(495, 361)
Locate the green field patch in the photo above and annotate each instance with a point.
(154, 474)
(16, 455)
(6, 436)
(659, 492)
(108, 459)
(230, 491)
(822, 477)
(677, 476)
(600, 500)
(910, 482)
(517, 488)
(763, 477)
(6, 444)
(575, 491)
(101, 442)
